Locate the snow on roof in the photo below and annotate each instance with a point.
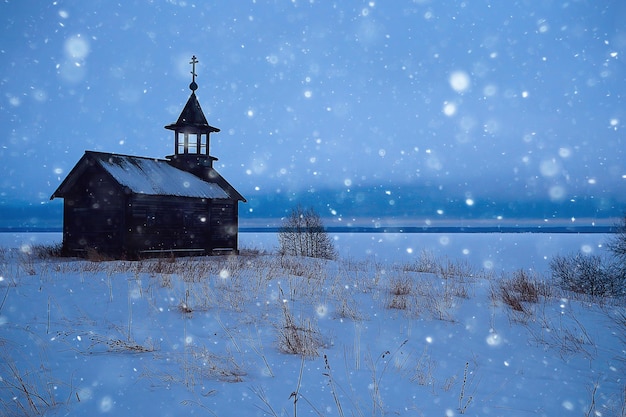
(157, 177)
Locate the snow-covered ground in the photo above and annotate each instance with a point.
(217, 335)
(492, 251)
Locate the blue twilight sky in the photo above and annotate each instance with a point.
(507, 99)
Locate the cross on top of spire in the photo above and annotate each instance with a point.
(193, 86)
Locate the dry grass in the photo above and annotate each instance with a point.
(348, 309)
(400, 292)
(211, 366)
(444, 268)
(520, 291)
(424, 369)
(252, 282)
(120, 345)
(298, 337)
(25, 392)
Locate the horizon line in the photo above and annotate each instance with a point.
(600, 229)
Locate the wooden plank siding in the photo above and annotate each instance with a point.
(94, 218)
(161, 223)
(129, 212)
(105, 218)
(146, 223)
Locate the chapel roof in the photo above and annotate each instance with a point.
(141, 175)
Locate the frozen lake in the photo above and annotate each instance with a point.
(497, 251)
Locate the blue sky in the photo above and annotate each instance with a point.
(509, 100)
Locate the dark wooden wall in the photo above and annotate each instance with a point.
(106, 218)
(94, 214)
(162, 223)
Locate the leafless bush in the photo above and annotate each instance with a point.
(520, 288)
(518, 292)
(230, 291)
(162, 266)
(455, 269)
(457, 288)
(348, 309)
(400, 291)
(398, 302)
(401, 285)
(617, 244)
(510, 298)
(587, 274)
(303, 234)
(441, 307)
(426, 263)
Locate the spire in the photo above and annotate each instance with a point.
(192, 119)
(192, 130)
(193, 86)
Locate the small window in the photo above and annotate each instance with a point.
(192, 144)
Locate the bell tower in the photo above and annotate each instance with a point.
(192, 134)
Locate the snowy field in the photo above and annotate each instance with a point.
(494, 251)
(413, 325)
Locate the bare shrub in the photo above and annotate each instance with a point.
(400, 292)
(527, 288)
(617, 244)
(512, 299)
(455, 269)
(436, 298)
(592, 274)
(586, 274)
(520, 290)
(401, 286)
(163, 266)
(348, 309)
(398, 302)
(303, 234)
(426, 263)
(457, 288)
